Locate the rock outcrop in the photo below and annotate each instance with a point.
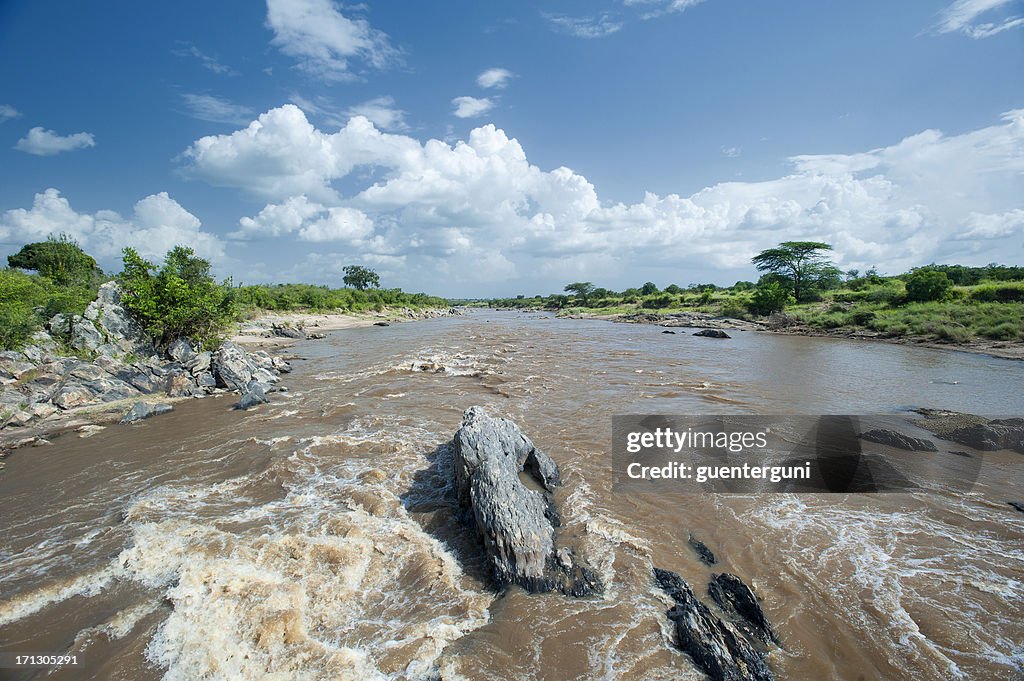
(898, 440)
(37, 382)
(515, 523)
(714, 645)
(994, 435)
(737, 600)
(712, 333)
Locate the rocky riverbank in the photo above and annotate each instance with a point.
(89, 370)
(784, 324)
(283, 329)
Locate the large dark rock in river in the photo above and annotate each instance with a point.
(738, 601)
(994, 435)
(516, 523)
(712, 333)
(898, 440)
(714, 645)
(705, 554)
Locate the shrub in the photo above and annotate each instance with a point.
(179, 299)
(769, 297)
(658, 302)
(924, 285)
(999, 293)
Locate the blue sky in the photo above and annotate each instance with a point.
(469, 148)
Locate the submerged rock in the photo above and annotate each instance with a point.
(1017, 505)
(143, 410)
(714, 645)
(712, 333)
(516, 523)
(701, 549)
(898, 440)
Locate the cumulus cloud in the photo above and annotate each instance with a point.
(965, 16)
(469, 107)
(158, 223)
(478, 210)
(7, 112)
(323, 40)
(310, 221)
(41, 142)
(494, 78)
(382, 112)
(584, 27)
(216, 109)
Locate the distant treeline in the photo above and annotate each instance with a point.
(176, 298)
(955, 303)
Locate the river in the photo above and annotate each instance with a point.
(312, 539)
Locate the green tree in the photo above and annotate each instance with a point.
(60, 259)
(803, 263)
(20, 293)
(178, 299)
(674, 289)
(361, 278)
(648, 289)
(768, 297)
(924, 284)
(582, 290)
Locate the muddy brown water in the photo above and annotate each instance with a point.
(312, 538)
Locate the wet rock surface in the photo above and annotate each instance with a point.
(738, 601)
(712, 333)
(715, 645)
(516, 524)
(701, 549)
(896, 439)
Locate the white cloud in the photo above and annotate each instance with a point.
(664, 6)
(158, 224)
(585, 27)
(323, 40)
(494, 78)
(208, 62)
(42, 142)
(963, 15)
(311, 221)
(382, 112)
(469, 107)
(7, 112)
(732, 152)
(216, 109)
(478, 210)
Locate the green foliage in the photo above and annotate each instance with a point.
(659, 302)
(581, 289)
(769, 297)
(998, 293)
(61, 260)
(178, 299)
(285, 297)
(802, 263)
(360, 278)
(925, 284)
(20, 294)
(649, 289)
(673, 289)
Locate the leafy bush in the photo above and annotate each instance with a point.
(924, 285)
(658, 302)
(178, 299)
(61, 260)
(999, 293)
(19, 294)
(769, 297)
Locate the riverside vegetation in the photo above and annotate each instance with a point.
(73, 340)
(944, 303)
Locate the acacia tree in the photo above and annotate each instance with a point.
(582, 289)
(802, 263)
(360, 277)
